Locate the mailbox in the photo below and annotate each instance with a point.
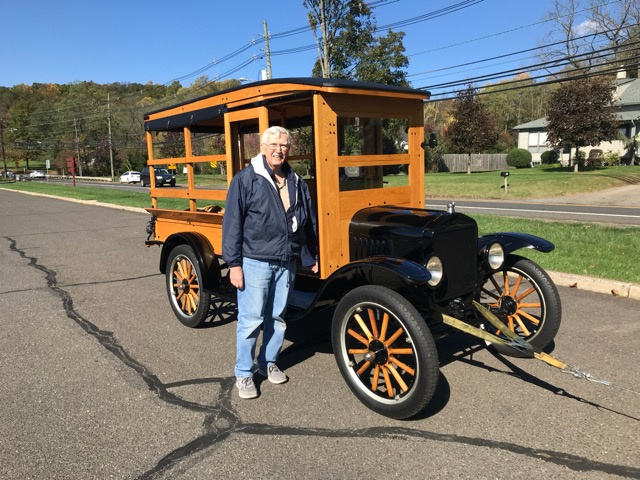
(504, 174)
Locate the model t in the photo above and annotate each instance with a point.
(394, 275)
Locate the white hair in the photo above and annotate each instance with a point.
(276, 131)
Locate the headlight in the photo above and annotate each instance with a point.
(495, 256)
(434, 266)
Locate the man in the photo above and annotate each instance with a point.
(269, 222)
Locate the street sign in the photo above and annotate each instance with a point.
(48, 162)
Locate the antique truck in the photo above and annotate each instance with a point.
(394, 275)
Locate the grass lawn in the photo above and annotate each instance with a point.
(539, 182)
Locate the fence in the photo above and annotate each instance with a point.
(480, 162)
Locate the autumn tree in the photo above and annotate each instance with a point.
(471, 129)
(580, 113)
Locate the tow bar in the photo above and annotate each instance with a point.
(513, 341)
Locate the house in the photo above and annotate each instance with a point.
(532, 135)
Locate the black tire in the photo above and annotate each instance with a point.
(173, 184)
(189, 301)
(393, 375)
(142, 183)
(523, 296)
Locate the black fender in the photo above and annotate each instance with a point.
(512, 241)
(205, 255)
(403, 276)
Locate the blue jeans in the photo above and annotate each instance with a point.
(262, 303)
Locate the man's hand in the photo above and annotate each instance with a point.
(236, 277)
(314, 269)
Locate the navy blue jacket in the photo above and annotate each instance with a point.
(255, 224)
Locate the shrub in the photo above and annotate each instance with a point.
(595, 158)
(519, 158)
(610, 159)
(550, 156)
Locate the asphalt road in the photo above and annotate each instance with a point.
(620, 206)
(99, 380)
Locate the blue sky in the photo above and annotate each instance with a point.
(132, 41)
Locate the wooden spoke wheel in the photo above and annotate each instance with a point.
(385, 351)
(523, 297)
(189, 301)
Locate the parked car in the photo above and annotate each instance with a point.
(9, 174)
(36, 174)
(163, 177)
(130, 177)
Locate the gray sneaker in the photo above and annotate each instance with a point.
(273, 373)
(246, 387)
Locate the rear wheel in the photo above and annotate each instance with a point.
(189, 301)
(385, 351)
(525, 299)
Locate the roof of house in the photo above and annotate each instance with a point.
(627, 95)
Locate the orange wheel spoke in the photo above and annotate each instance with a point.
(403, 366)
(514, 290)
(376, 376)
(363, 326)
(179, 296)
(365, 366)
(183, 303)
(357, 351)
(505, 279)
(387, 381)
(511, 326)
(358, 337)
(385, 324)
(530, 305)
(181, 269)
(398, 378)
(394, 337)
(400, 351)
(525, 294)
(372, 321)
(525, 330)
(529, 317)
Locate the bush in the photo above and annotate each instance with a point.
(595, 158)
(610, 159)
(519, 158)
(550, 156)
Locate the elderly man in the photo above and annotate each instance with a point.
(269, 223)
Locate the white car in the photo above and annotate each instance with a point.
(130, 177)
(36, 174)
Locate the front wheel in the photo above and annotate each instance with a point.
(525, 299)
(189, 301)
(385, 351)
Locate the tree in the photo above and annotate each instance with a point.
(584, 24)
(579, 113)
(471, 129)
(348, 47)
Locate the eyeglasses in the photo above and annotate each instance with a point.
(278, 146)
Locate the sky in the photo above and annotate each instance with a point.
(131, 41)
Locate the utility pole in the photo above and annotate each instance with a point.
(75, 126)
(266, 50)
(110, 145)
(326, 64)
(4, 159)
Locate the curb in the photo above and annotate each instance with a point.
(595, 284)
(582, 282)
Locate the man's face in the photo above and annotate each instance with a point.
(275, 150)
